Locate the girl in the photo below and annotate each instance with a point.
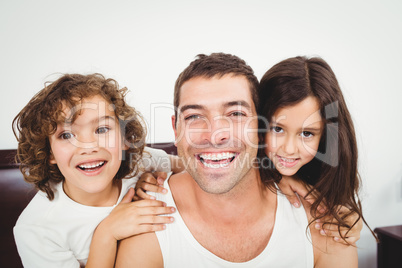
(310, 135)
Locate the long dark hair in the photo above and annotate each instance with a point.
(333, 171)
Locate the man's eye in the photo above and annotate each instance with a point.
(307, 134)
(192, 117)
(276, 129)
(102, 130)
(66, 135)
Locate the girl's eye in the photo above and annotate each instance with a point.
(238, 113)
(307, 134)
(102, 130)
(66, 135)
(277, 129)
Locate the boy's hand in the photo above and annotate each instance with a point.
(132, 218)
(331, 229)
(151, 182)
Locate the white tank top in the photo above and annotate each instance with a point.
(290, 244)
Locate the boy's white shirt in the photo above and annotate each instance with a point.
(58, 233)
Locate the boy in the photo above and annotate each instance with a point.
(81, 145)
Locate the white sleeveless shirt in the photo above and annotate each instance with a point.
(289, 246)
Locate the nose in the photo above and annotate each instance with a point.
(290, 146)
(87, 144)
(220, 131)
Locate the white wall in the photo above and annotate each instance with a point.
(145, 44)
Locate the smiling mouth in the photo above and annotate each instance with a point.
(89, 167)
(216, 160)
(288, 162)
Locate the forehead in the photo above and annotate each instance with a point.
(215, 90)
(304, 113)
(90, 106)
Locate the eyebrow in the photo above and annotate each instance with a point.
(226, 105)
(191, 106)
(312, 129)
(93, 121)
(106, 117)
(237, 103)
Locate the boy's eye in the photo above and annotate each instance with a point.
(307, 134)
(66, 135)
(102, 130)
(276, 129)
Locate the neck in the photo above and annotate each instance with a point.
(105, 198)
(249, 199)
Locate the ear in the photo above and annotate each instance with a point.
(174, 126)
(174, 129)
(124, 145)
(52, 160)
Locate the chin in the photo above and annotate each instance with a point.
(287, 172)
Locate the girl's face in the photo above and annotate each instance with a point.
(88, 151)
(294, 135)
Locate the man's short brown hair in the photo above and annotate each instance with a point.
(216, 64)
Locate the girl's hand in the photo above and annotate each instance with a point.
(132, 218)
(331, 229)
(151, 182)
(291, 186)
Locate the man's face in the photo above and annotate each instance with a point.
(216, 131)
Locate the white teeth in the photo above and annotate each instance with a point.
(288, 160)
(93, 165)
(216, 165)
(218, 156)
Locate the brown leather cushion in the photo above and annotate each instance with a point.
(15, 195)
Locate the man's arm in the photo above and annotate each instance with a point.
(140, 251)
(328, 254)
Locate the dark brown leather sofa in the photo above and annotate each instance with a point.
(15, 195)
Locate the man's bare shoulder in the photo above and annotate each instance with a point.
(139, 251)
(180, 177)
(181, 182)
(327, 252)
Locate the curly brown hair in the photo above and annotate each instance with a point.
(39, 119)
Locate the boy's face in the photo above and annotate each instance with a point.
(88, 150)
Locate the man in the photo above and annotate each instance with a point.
(226, 216)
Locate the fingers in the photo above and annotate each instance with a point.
(148, 203)
(147, 177)
(141, 193)
(152, 188)
(293, 199)
(289, 186)
(129, 196)
(161, 177)
(351, 236)
(147, 228)
(150, 182)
